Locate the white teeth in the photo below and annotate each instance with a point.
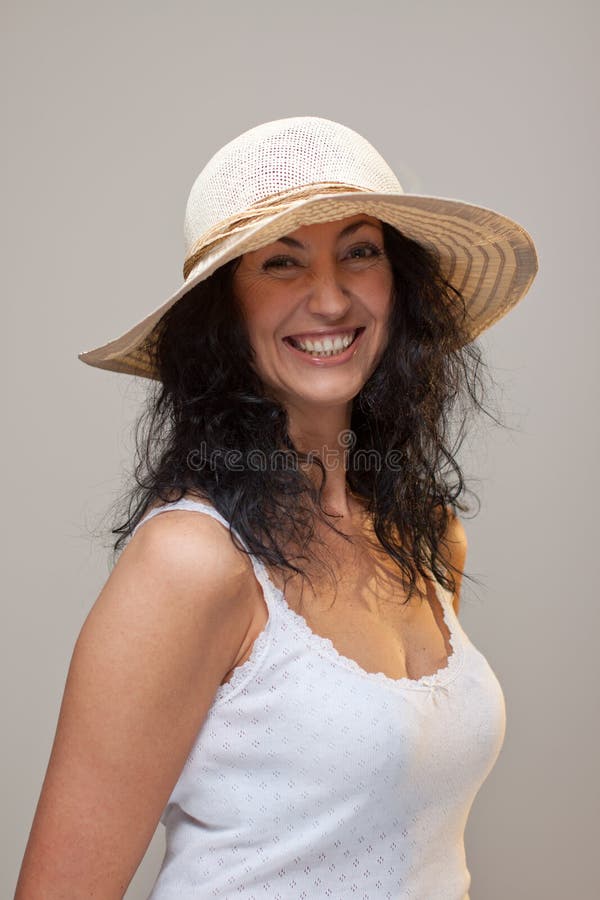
(327, 346)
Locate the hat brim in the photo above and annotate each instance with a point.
(486, 256)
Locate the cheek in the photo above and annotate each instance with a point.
(265, 307)
(381, 294)
(251, 306)
(263, 321)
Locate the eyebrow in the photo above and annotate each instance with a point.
(349, 229)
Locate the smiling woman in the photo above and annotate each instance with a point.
(275, 668)
(336, 286)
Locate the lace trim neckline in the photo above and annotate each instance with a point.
(441, 676)
(278, 605)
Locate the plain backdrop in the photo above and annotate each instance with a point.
(110, 111)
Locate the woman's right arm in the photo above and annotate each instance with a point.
(166, 628)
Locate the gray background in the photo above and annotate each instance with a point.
(110, 111)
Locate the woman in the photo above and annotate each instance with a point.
(276, 669)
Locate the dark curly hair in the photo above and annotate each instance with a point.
(412, 412)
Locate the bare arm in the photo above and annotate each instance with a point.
(165, 629)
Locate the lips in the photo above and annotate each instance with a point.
(324, 357)
(323, 341)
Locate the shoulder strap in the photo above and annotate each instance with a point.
(268, 588)
(184, 503)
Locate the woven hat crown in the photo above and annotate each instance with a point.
(277, 158)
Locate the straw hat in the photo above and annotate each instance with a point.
(278, 176)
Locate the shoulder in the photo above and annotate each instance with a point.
(454, 544)
(187, 546)
(456, 535)
(181, 582)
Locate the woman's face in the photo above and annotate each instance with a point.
(316, 303)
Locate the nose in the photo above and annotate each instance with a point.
(327, 295)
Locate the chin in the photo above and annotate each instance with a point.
(323, 395)
(324, 398)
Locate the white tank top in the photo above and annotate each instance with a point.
(313, 778)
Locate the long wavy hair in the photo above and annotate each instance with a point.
(210, 430)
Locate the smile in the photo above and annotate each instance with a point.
(325, 346)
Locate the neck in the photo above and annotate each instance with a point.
(326, 433)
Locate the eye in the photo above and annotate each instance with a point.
(279, 262)
(364, 251)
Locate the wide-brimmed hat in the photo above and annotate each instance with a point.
(279, 176)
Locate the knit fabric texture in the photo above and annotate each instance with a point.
(275, 157)
(313, 778)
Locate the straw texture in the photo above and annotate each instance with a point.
(292, 172)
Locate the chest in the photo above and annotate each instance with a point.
(360, 606)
